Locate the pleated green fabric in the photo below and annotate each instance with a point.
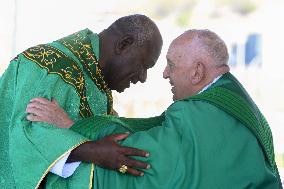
(241, 106)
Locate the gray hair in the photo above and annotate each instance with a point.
(139, 26)
(212, 44)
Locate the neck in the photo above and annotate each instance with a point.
(212, 78)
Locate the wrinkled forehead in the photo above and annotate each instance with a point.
(181, 49)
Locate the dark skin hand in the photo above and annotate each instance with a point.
(106, 152)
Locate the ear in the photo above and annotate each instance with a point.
(198, 73)
(124, 43)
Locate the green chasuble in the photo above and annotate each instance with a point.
(215, 140)
(68, 71)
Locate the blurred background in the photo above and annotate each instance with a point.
(251, 29)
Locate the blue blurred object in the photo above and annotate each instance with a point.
(233, 55)
(253, 49)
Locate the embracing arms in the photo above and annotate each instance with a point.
(104, 152)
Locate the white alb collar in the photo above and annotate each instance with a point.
(207, 86)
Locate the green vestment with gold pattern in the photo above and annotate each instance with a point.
(66, 70)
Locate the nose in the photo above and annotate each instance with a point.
(143, 76)
(166, 73)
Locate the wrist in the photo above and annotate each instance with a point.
(82, 153)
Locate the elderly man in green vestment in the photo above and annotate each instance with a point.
(212, 136)
(79, 71)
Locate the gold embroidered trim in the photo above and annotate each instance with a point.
(57, 62)
(92, 176)
(81, 47)
(52, 164)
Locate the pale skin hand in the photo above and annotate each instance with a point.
(104, 152)
(43, 110)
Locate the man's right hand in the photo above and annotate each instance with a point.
(108, 154)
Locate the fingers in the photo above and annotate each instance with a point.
(40, 100)
(35, 111)
(117, 137)
(49, 112)
(129, 151)
(46, 106)
(35, 118)
(130, 170)
(36, 105)
(132, 163)
(134, 172)
(44, 100)
(138, 164)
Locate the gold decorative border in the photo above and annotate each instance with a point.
(57, 62)
(92, 176)
(80, 45)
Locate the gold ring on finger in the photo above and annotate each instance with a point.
(123, 169)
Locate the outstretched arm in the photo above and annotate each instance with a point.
(104, 152)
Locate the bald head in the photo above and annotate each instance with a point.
(206, 43)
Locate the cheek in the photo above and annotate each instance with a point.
(182, 83)
(131, 65)
(179, 76)
(126, 68)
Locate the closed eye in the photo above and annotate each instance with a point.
(170, 64)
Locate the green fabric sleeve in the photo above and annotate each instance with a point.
(92, 126)
(35, 147)
(7, 85)
(161, 141)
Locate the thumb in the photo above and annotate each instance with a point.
(117, 137)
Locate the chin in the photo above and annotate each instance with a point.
(120, 90)
(175, 98)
